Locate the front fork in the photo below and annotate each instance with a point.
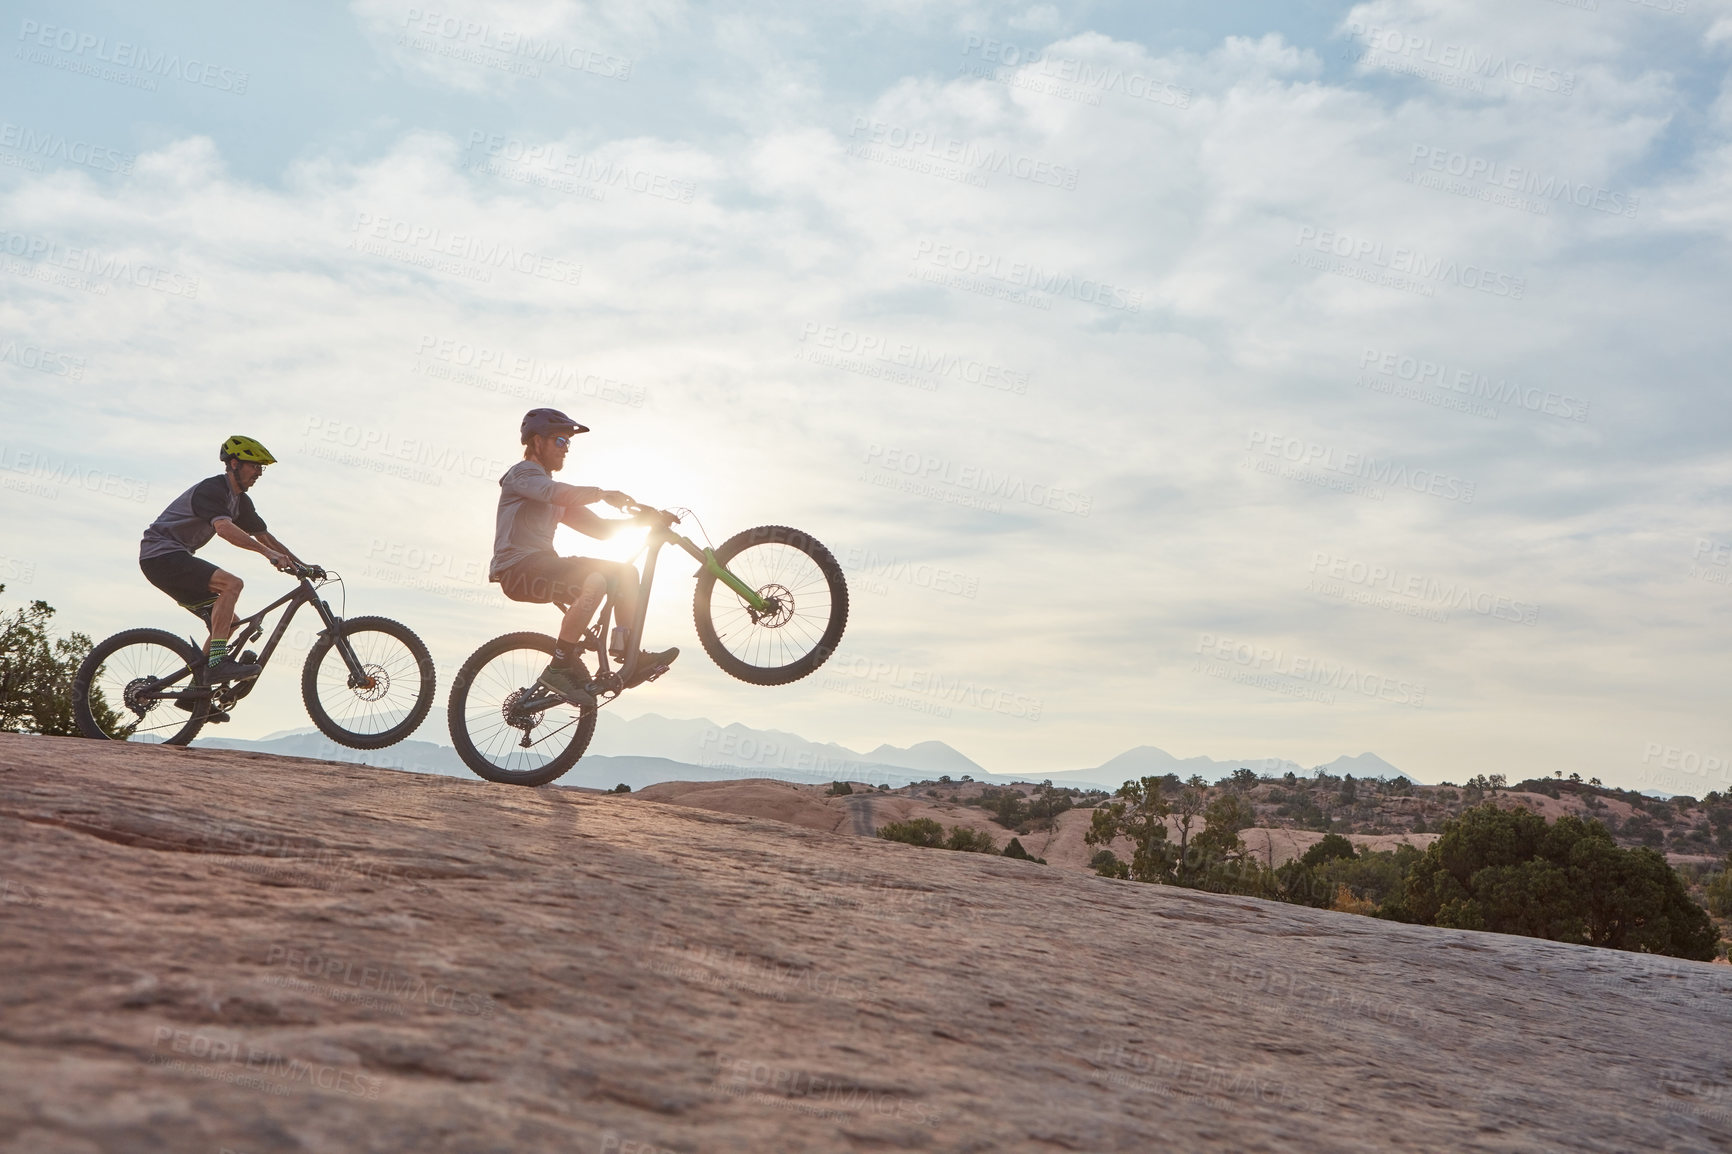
(359, 678)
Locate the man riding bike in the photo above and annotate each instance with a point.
(215, 507)
(531, 505)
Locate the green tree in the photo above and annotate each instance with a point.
(1138, 813)
(1188, 808)
(36, 674)
(1508, 871)
(1301, 882)
(922, 831)
(839, 789)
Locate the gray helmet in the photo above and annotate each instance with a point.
(547, 422)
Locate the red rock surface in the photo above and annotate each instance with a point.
(209, 950)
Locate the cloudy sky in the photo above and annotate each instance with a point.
(1246, 379)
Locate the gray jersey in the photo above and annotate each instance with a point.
(189, 522)
(530, 506)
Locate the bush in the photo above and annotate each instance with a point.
(921, 831)
(839, 789)
(622, 787)
(1106, 863)
(1720, 892)
(970, 841)
(1014, 849)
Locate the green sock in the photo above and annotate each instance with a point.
(219, 651)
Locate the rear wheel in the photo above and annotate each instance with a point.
(809, 606)
(387, 703)
(494, 735)
(128, 689)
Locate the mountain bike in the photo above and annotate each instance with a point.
(769, 607)
(367, 682)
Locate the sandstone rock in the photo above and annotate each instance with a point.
(208, 950)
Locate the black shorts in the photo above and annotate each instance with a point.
(548, 577)
(185, 578)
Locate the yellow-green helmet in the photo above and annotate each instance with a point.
(246, 449)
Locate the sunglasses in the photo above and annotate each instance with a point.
(562, 442)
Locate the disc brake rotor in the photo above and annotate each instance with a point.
(133, 694)
(379, 687)
(781, 609)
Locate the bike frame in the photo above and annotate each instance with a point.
(249, 628)
(661, 534)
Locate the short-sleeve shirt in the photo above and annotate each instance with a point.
(189, 522)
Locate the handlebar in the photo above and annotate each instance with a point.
(650, 514)
(311, 572)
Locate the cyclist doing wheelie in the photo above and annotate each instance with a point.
(215, 507)
(528, 568)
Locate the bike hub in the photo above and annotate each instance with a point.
(781, 609)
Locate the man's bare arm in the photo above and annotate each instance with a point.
(271, 539)
(235, 535)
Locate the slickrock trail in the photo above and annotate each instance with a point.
(208, 949)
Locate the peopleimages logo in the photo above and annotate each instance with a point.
(926, 470)
(121, 54)
(90, 262)
(1412, 262)
(1514, 178)
(1310, 455)
(1022, 275)
(34, 356)
(49, 146)
(1430, 591)
(1425, 56)
(463, 246)
(1319, 672)
(919, 358)
(1474, 385)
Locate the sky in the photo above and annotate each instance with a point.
(1244, 379)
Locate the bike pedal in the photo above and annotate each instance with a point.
(659, 670)
(217, 718)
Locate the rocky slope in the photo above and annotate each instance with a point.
(209, 950)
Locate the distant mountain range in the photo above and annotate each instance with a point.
(644, 750)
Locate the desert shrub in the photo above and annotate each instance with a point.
(1106, 863)
(839, 789)
(622, 787)
(1007, 806)
(922, 831)
(1014, 849)
(1719, 889)
(969, 840)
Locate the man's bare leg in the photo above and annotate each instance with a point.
(582, 610)
(228, 588)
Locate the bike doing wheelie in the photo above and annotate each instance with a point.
(770, 607)
(367, 682)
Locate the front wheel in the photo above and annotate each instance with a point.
(507, 729)
(808, 606)
(386, 702)
(129, 688)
